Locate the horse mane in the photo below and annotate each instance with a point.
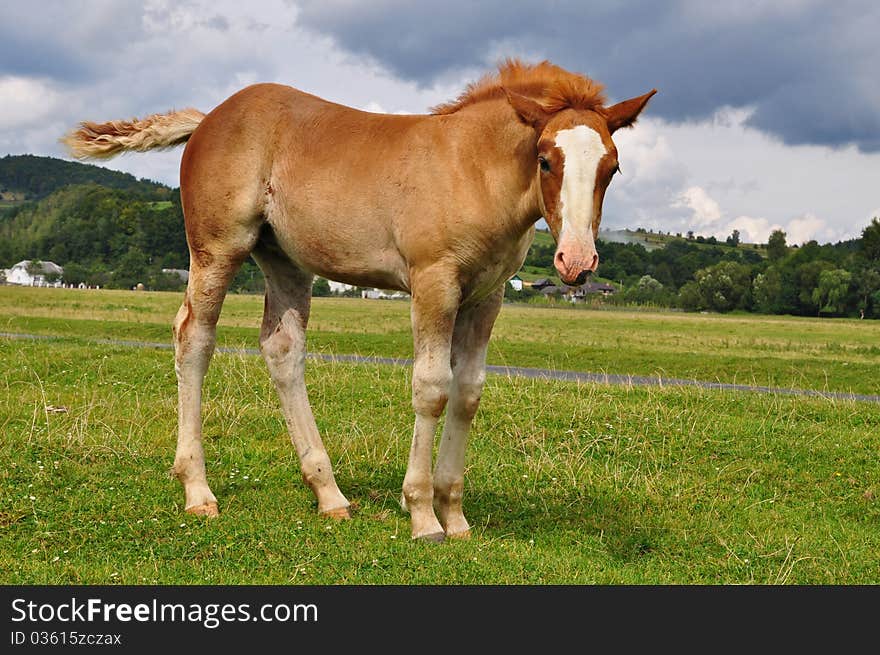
(553, 87)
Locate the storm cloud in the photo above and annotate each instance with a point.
(807, 70)
(767, 114)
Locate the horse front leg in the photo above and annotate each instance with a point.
(470, 341)
(434, 307)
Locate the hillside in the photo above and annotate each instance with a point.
(109, 229)
(28, 177)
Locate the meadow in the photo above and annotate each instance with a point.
(567, 483)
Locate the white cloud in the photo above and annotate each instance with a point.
(751, 229)
(807, 227)
(127, 60)
(705, 211)
(26, 102)
(718, 175)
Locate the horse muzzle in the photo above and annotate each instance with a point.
(574, 267)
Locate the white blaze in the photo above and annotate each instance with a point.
(583, 148)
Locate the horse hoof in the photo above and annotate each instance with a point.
(431, 537)
(340, 513)
(463, 535)
(205, 509)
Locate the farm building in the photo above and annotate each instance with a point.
(541, 283)
(339, 287)
(375, 294)
(41, 274)
(516, 282)
(550, 290)
(588, 288)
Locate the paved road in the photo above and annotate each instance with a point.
(517, 371)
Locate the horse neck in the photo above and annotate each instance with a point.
(507, 150)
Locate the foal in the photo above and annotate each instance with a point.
(442, 206)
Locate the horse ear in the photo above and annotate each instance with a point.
(531, 112)
(625, 113)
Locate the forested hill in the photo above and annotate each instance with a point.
(29, 177)
(110, 229)
(103, 227)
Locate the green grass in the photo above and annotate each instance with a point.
(566, 483)
(841, 355)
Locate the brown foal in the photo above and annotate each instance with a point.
(442, 206)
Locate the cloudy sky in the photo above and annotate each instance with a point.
(768, 113)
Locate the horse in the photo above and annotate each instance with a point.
(441, 206)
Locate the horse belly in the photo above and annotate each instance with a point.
(342, 247)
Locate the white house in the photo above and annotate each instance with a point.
(19, 274)
(516, 282)
(375, 294)
(339, 287)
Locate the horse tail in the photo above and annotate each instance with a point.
(105, 140)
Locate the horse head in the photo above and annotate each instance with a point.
(575, 162)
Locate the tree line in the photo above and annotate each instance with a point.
(125, 234)
(697, 274)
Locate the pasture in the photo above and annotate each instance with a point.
(566, 483)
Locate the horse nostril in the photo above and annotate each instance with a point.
(559, 259)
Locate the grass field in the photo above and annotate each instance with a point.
(566, 483)
(827, 355)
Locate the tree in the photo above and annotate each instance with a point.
(733, 239)
(830, 295)
(75, 273)
(807, 277)
(776, 248)
(767, 291)
(868, 286)
(320, 287)
(130, 270)
(689, 297)
(871, 241)
(722, 287)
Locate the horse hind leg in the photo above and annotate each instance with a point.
(194, 340)
(283, 344)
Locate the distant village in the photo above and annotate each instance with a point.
(549, 289)
(36, 273)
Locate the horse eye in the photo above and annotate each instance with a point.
(616, 170)
(545, 165)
